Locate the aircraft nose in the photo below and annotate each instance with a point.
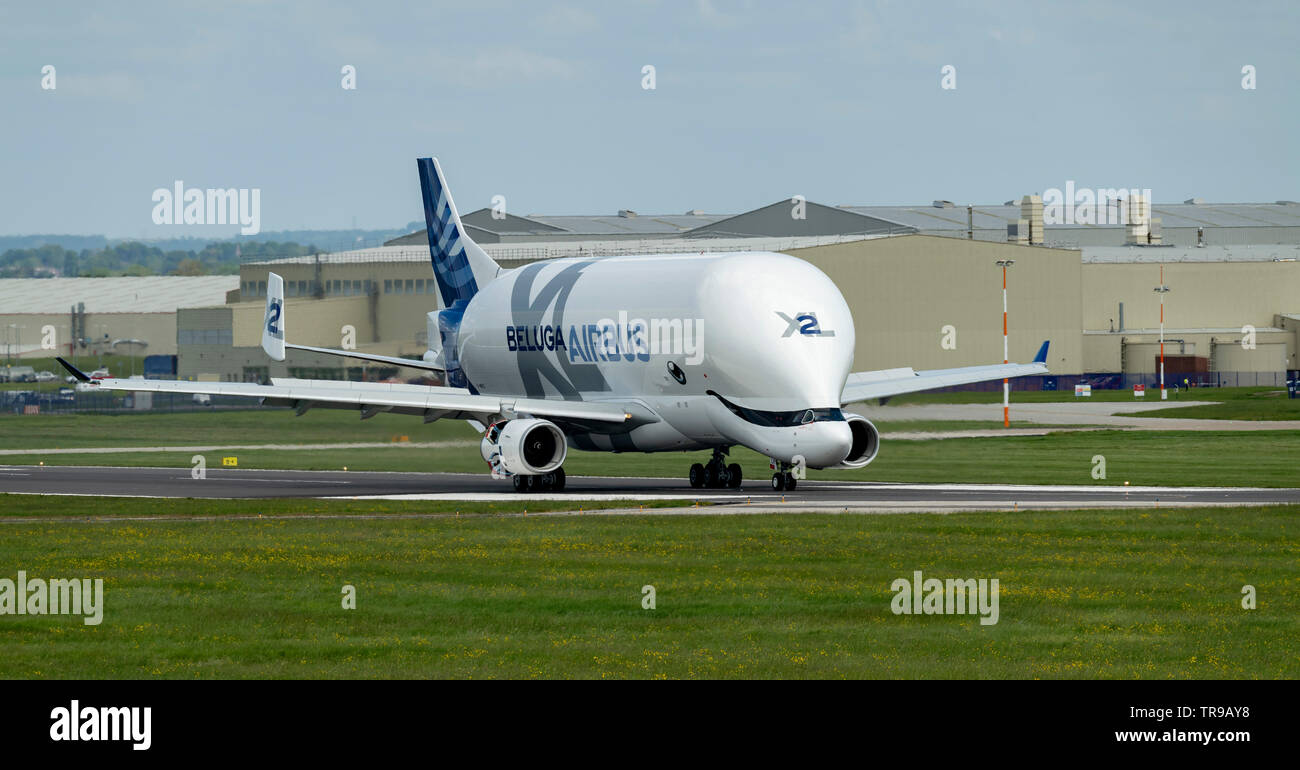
(823, 444)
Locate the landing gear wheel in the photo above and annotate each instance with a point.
(697, 475)
(778, 482)
(522, 483)
(557, 485)
(710, 476)
(790, 482)
(733, 476)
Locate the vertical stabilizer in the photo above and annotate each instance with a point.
(459, 264)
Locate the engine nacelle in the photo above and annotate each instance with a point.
(866, 442)
(524, 446)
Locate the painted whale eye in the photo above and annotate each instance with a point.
(677, 372)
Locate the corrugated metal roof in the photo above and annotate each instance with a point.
(648, 224)
(1251, 253)
(143, 294)
(593, 247)
(934, 218)
(1169, 214)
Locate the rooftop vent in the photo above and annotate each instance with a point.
(942, 204)
(626, 213)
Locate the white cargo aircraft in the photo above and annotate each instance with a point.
(654, 353)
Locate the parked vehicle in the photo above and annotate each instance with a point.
(203, 399)
(46, 377)
(20, 374)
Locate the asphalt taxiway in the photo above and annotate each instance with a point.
(753, 496)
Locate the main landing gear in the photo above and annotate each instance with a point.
(542, 482)
(783, 480)
(716, 473)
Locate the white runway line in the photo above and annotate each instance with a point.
(482, 497)
(104, 450)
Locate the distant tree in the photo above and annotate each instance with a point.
(190, 266)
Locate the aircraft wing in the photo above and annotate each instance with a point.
(863, 386)
(371, 398)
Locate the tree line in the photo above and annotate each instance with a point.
(135, 258)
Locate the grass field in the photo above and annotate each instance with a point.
(1059, 396)
(1231, 403)
(280, 426)
(1255, 458)
(1115, 594)
(1269, 406)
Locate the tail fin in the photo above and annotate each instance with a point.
(273, 324)
(459, 264)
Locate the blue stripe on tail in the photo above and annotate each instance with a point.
(450, 263)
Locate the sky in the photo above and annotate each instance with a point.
(545, 105)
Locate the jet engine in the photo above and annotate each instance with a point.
(523, 447)
(866, 442)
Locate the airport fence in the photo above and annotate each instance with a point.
(36, 403)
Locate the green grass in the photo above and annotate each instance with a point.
(118, 365)
(1158, 458)
(53, 506)
(1267, 405)
(214, 427)
(1254, 403)
(1058, 396)
(217, 427)
(1112, 594)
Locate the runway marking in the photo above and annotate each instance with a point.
(478, 497)
(224, 447)
(868, 485)
(260, 481)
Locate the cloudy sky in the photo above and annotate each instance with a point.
(543, 103)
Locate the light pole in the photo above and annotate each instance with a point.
(1162, 290)
(1006, 382)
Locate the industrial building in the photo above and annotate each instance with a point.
(43, 317)
(918, 300)
(1189, 223)
(921, 282)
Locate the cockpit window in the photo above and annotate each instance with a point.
(781, 419)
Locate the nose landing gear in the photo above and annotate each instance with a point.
(783, 480)
(716, 473)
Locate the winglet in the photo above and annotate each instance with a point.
(273, 323)
(1041, 358)
(74, 371)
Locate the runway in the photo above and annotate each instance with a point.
(753, 497)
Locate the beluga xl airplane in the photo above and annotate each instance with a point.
(653, 353)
